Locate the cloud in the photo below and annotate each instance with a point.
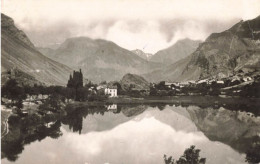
(153, 24)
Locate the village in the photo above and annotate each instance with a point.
(131, 90)
(232, 85)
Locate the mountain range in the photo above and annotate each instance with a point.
(220, 55)
(99, 59)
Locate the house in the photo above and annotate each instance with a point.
(202, 81)
(111, 91)
(112, 107)
(220, 82)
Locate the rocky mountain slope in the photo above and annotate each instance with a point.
(49, 52)
(100, 59)
(179, 50)
(140, 53)
(19, 53)
(135, 81)
(220, 55)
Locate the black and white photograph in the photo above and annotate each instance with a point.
(130, 81)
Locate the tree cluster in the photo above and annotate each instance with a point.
(76, 80)
(190, 156)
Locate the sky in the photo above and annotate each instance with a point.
(148, 25)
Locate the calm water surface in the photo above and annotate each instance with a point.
(136, 134)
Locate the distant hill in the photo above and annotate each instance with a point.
(221, 55)
(179, 50)
(140, 53)
(19, 53)
(100, 59)
(135, 81)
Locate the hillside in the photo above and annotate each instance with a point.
(136, 82)
(18, 52)
(221, 55)
(21, 78)
(49, 52)
(179, 50)
(100, 59)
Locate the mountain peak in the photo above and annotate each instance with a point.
(181, 49)
(100, 59)
(142, 54)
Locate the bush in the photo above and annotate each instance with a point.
(11, 90)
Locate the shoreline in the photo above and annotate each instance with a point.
(175, 100)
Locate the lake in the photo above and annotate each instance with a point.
(127, 134)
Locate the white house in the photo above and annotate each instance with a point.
(202, 81)
(112, 91)
(220, 82)
(112, 107)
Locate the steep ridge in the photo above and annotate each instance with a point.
(19, 53)
(224, 53)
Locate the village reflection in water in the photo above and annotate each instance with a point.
(144, 131)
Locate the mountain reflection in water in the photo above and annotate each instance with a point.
(133, 134)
